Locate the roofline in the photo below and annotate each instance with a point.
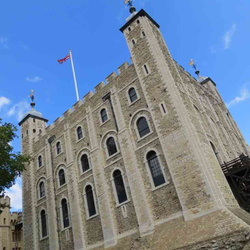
(208, 79)
(31, 116)
(140, 13)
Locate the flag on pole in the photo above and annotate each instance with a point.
(64, 59)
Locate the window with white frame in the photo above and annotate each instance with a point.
(119, 186)
(65, 213)
(40, 161)
(58, 148)
(104, 115)
(61, 177)
(79, 133)
(111, 146)
(85, 163)
(155, 169)
(41, 189)
(142, 126)
(43, 219)
(90, 200)
(132, 94)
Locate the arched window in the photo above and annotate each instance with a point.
(40, 161)
(58, 148)
(104, 115)
(79, 133)
(41, 189)
(90, 200)
(111, 146)
(132, 94)
(65, 213)
(43, 224)
(119, 186)
(142, 126)
(61, 176)
(84, 163)
(155, 169)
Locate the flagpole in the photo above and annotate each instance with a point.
(74, 75)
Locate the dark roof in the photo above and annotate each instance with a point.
(140, 13)
(208, 79)
(32, 116)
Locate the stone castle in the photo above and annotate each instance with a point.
(11, 234)
(141, 163)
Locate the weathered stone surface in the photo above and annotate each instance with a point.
(193, 209)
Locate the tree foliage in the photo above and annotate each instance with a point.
(11, 164)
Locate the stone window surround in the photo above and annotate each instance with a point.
(42, 160)
(40, 224)
(61, 214)
(137, 93)
(136, 128)
(161, 105)
(83, 134)
(153, 187)
(58, 168)
(114, 188)
(106, 137)
(144, 70)
(41, 179)
(56, 147)
(87, 152)
(86, 203)
(100, 117)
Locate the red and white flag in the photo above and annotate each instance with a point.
(64, 59)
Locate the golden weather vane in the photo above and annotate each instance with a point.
(129, 2)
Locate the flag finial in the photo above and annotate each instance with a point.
(32, 97)
(197, 72)
(132, 9)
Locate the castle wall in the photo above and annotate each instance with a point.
(9, 236)
(184, 118)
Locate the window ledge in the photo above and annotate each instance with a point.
(44, 238)
(131, 103)
(41, 198)
(113, 155)
(40, 167)
(78, 140)
(162, 185)
(141, 138)
(123, 203)
(61, 186)
(102, 123)
(59, 154)
(85, 172)
(91, 217)
(64, 229)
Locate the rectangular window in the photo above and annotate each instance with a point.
(146, 69)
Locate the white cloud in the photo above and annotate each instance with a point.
(33, 79)
(227, 38)
(244, 95)
(19, 110)
(3, 101)
(4, 43)
(15, 194)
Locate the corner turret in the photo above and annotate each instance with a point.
(32, 124)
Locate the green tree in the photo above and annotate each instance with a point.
(11, 163)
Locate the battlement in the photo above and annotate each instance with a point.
(5, 200)
(88, 96)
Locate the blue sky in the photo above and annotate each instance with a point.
(34, 35)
